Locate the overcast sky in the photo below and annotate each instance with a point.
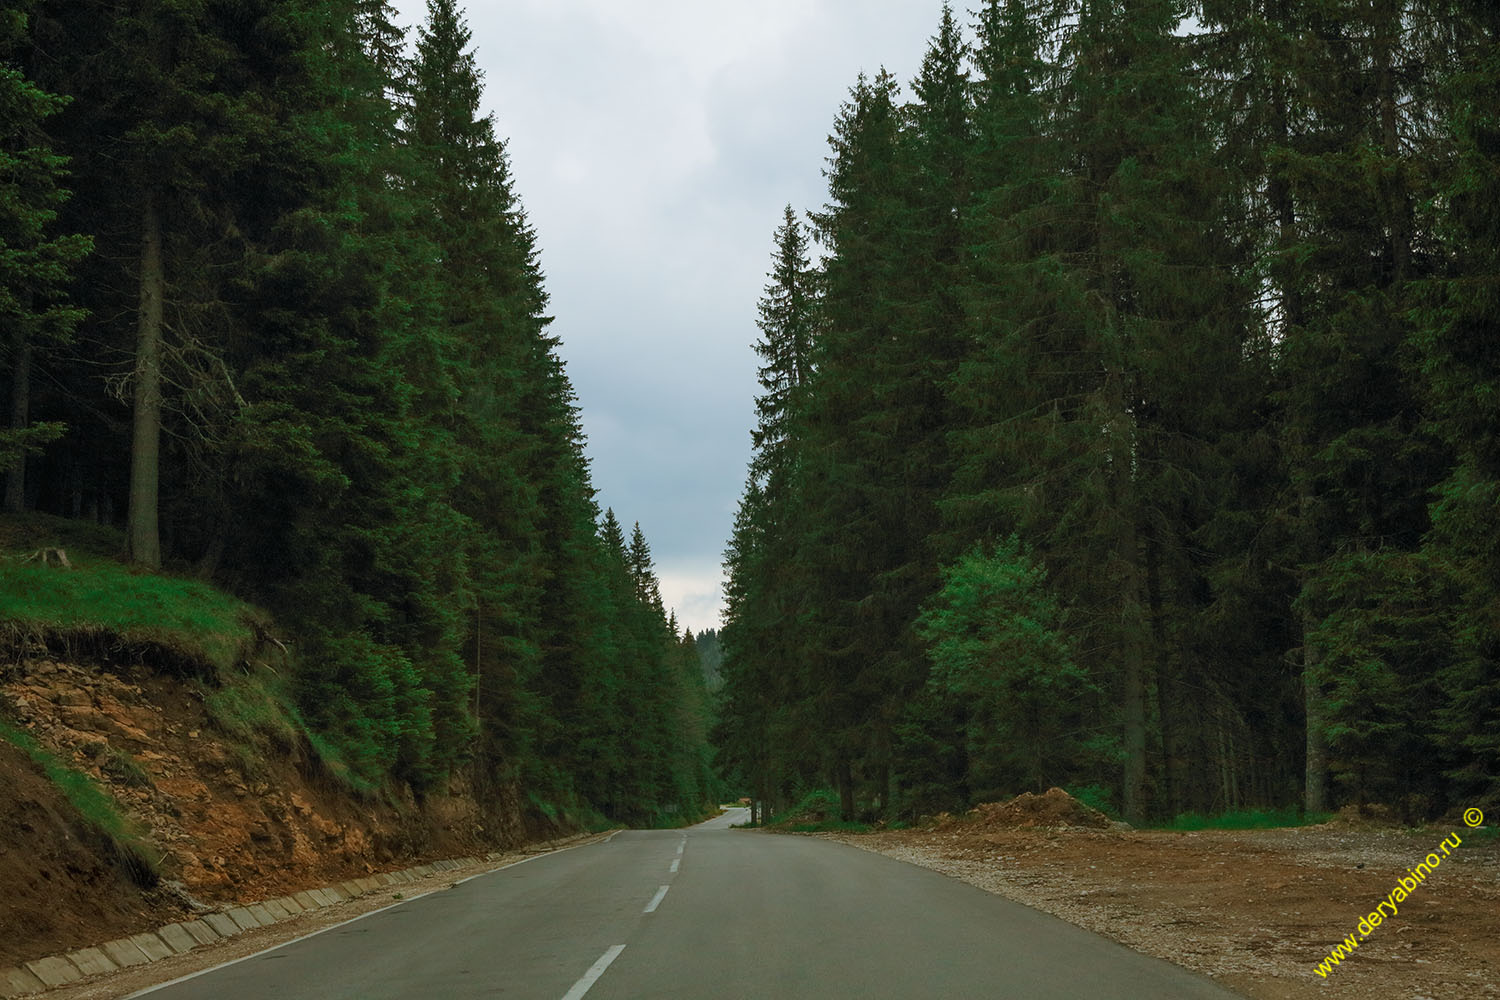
(654, 145)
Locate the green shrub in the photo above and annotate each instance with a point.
(1095, 797)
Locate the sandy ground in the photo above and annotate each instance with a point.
(1255, 910)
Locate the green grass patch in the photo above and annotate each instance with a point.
(260, 718)
(247, 709)
(844, 826)
(95, 807)
(542, 806)
(187, 616)
(335, 764)
(1246, 819)
(1478, 836)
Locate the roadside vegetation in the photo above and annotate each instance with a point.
(998, 536)
(101, 599)
(343, 405)
(101, 816)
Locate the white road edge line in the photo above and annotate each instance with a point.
(675, 863)
(342, 923)
(656, 899)
(681, 847)
(592, 976)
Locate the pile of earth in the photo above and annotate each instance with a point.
(1053, 808)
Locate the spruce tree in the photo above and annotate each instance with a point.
(37, 260)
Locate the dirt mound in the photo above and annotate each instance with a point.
(1054, 807)
(1365, 817)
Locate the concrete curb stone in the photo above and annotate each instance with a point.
(176, 938)
(54, 970)
(125, 952)
(306, 899)
(91, 961)
(259, 912)
(222, 923)
(19, 983)
(202, 932)
(152, 946)
(243, 918)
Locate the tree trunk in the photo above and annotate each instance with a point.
(20, 414)
(1167, 700)
(1315, 776)
(145, 446)
(1132, 625)
(844, 777)
(1397, 203)
(1315, 789)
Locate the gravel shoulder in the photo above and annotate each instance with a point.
(1255, 910)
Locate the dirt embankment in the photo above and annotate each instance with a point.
(1256, 910)
(231, 820)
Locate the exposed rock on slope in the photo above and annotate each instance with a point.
(231, 817)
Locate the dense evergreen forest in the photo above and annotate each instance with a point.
(1131, 421)
(272, 306)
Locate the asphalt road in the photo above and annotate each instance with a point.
(707, 912)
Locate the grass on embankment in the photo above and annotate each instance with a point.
(103, 609)
(95, 807)
(101, 599)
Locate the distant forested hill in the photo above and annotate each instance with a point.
(272, 305)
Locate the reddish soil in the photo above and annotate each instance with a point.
(233, 822)
(1257, 909)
